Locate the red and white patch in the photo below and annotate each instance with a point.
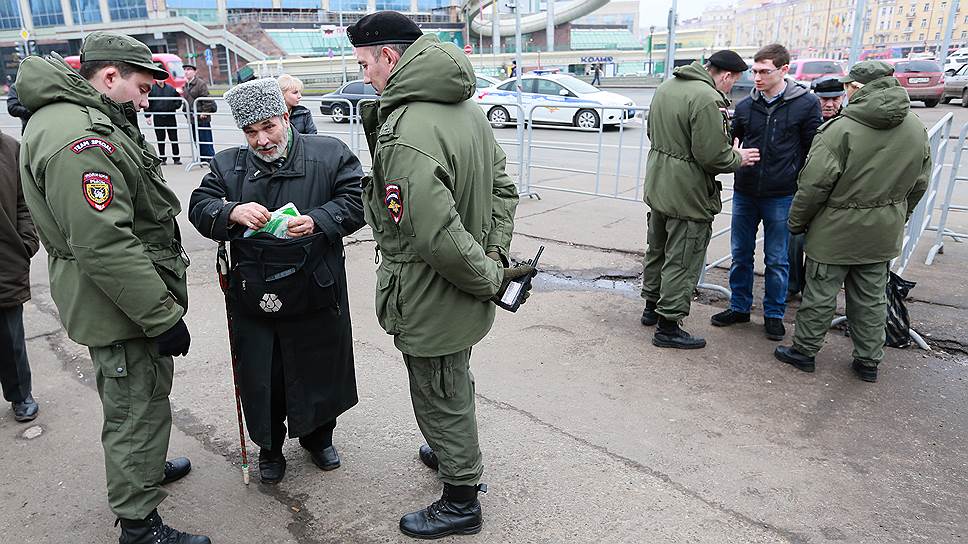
(92, 143)
(98, 190)
(394, 202)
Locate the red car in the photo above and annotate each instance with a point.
(807, 70)
(923, 79)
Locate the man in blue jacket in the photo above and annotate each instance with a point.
(780, 118)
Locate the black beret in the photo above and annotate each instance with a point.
(827, 87)
(382, 28)
(728, 60)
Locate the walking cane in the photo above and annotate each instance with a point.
(222, 265)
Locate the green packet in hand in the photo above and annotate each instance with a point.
(278, 223)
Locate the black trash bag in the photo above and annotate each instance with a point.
(898, 326)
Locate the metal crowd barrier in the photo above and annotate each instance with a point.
(225, 133)
(151, 136)
(947, 206)
(517, 159)
(938, 137)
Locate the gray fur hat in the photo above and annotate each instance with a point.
(255, 101)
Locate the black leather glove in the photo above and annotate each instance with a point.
(175, 341)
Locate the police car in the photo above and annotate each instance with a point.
(558, 99)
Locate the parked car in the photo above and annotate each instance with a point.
(484, 82)
(807, 70)
(168, 62)
(334, 104)
(956, 60)
(562, 100)
(956, 86)
(922, 79)
(742, 87)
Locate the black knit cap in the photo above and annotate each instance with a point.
(383, 28)
(728, 60)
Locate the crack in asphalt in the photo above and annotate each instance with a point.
(790, 536)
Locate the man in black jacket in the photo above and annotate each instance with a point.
(163, 102)
(780, 118)
(16, 109)
(295, 367)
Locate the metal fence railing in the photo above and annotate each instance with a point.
(948, 205)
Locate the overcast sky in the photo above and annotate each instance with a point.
(655, 12)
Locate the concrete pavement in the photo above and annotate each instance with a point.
(590, 434)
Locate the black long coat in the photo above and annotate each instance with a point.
(321, 176)
(163, 111)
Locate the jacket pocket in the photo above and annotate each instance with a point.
(387, 299)
(111, 368)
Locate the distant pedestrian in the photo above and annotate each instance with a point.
(18, 244)
(163, 102)
(300, 118)
(16, 109)
(195, 88)
(780, 118)
(514, 69)
(689, 130)
(597, 74)
(868, 168)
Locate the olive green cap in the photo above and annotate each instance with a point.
(109, 46)
(867, 71)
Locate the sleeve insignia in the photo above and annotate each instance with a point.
(98, 190)
(394, 202)
(92, 143)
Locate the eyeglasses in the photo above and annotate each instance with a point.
(764, 72)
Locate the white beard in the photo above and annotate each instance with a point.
(276, 154)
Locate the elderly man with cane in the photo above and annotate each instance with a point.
(285, 203)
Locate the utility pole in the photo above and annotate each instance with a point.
(949, 30)
(857, 40)
(671, 41)
(551, 25)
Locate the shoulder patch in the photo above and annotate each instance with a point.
(394, 201)
(98, 190)
(92, 143)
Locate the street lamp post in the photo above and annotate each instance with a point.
(651, 47)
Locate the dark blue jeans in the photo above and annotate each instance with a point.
(748, 212)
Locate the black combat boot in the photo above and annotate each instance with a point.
(649, 317)
(152, 530)
(176, 469)
(792, 356)
(428, 457)
(457, 512)
(670, 335)
(864, 371)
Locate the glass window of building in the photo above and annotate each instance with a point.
(123, 10)
(86, 11)
(9, 14)
(47, 12)
(395, 5)
(349, 5)
(248, 4)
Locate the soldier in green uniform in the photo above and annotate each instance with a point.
(442, 211)
(117, 268)
(689, 131)
(852, 202)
